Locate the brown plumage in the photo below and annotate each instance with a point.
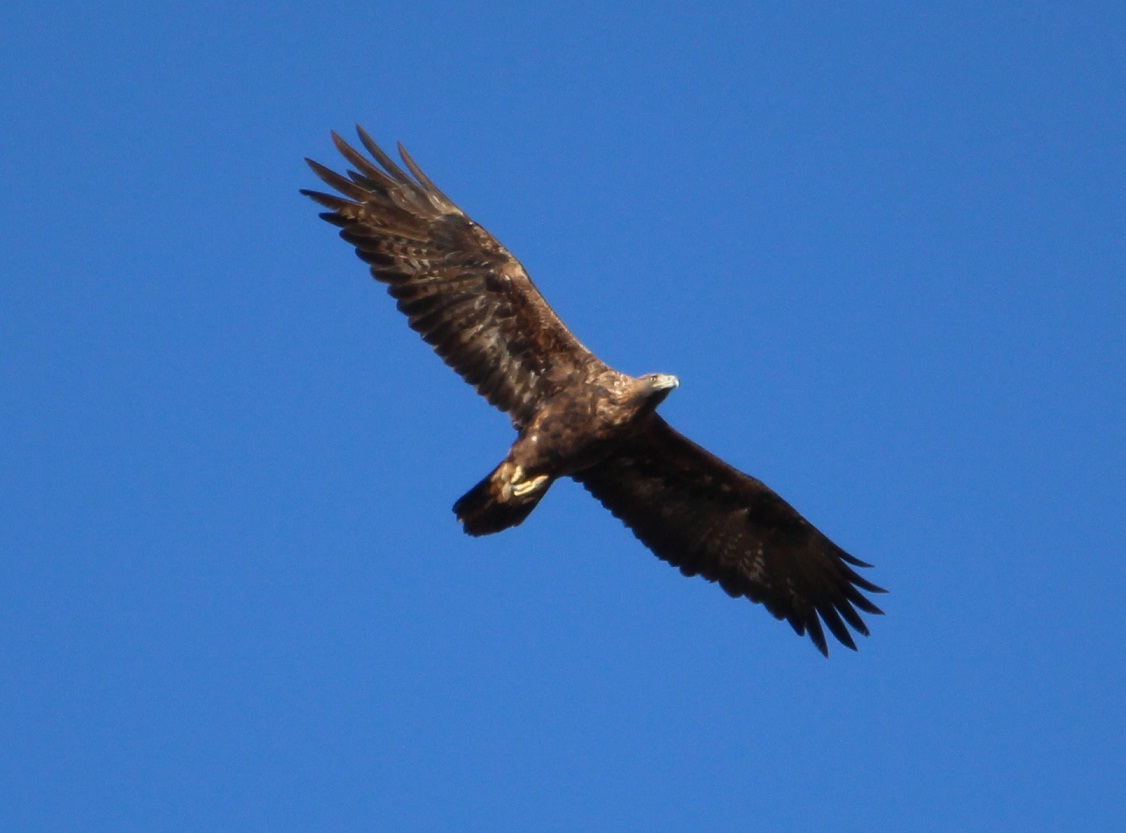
(575, 416)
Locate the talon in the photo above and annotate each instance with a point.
(521, 489)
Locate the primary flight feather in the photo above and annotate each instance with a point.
(575, 416)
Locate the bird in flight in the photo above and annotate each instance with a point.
(575, 416)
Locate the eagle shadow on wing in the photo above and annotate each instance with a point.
(575, 416)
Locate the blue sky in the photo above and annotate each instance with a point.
(883, 249)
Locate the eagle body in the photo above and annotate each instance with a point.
(575, 416)
(572, 432)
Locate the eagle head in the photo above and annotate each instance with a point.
(656, 386)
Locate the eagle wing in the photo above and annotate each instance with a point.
(460, 289)
(709, 519)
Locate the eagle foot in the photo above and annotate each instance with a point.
(529, 486)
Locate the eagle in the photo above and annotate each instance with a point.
(574, 415)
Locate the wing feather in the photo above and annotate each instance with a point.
(460, 289)
(709, 519)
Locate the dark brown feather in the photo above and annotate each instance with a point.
(460, 289)
(709, 519)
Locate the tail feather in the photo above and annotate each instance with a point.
(492, 505)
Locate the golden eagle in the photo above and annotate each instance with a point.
(575, 416)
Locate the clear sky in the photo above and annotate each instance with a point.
(884, 249)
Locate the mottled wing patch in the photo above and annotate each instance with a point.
(460, 289)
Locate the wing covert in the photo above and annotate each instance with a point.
(460, 289)
(702, 515)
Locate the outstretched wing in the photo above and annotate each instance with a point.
(461, 289)
(705, 517)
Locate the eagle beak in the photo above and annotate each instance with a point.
(665, 381)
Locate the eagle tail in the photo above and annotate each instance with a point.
(502, 500)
